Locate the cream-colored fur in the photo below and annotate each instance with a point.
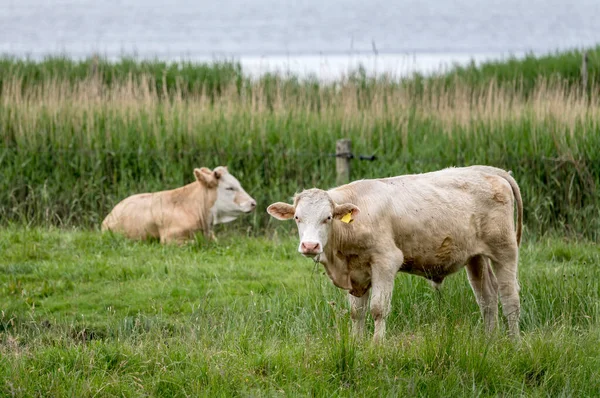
(430, 224)
(173, 215)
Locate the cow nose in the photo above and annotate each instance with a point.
(251, 206)
(310, 247)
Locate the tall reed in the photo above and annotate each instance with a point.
(72, 148)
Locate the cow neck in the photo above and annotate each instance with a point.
(336, 267)
(195, 195)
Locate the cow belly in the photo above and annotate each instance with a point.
(439, 257)
(431, 271)
(139, 226)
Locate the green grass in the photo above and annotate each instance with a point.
(86, 314)
(77, 137)
(170, 78)
(190, 79)
(68, 162)
(524, 73)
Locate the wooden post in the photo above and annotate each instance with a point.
(584, 72)
(343, 152)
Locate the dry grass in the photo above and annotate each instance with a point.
(546, 135)
(456, 105)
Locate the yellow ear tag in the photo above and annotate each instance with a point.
(347, 218)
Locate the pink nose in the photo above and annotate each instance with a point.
(310, 247)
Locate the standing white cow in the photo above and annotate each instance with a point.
(175, 215)
(428, 224)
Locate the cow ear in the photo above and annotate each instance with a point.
(346, 212)
(205, 176)
(281, 211)
(219, 171)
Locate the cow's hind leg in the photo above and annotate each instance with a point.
(505, 268)
(358, 311)
(484, 285)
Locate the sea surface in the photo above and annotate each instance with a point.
(325, 38)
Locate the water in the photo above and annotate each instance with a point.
(320, 37)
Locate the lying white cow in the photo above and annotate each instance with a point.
(428, 224)
(175, 215)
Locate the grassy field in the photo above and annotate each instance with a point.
(85, 314)
(78, 137)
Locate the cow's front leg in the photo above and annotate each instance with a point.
(358, 311)
(381, 298)
(175, 236)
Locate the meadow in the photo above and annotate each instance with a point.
(85, 314)
(90, 314)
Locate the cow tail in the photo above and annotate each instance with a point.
(517, 194)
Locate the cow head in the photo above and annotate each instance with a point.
(314, 212)
(232, 200)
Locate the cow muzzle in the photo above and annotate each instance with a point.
(250, 206)
(310, 248)
(246, 206)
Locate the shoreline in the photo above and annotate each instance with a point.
(323, 67)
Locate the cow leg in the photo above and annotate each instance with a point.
(505, 268)
(173, 235)
(485, 287)
(382, 285)
(358, 310)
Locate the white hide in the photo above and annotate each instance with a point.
(232, 199)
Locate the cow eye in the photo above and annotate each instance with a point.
(327, 220)
(230, 188)
(296, 218)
